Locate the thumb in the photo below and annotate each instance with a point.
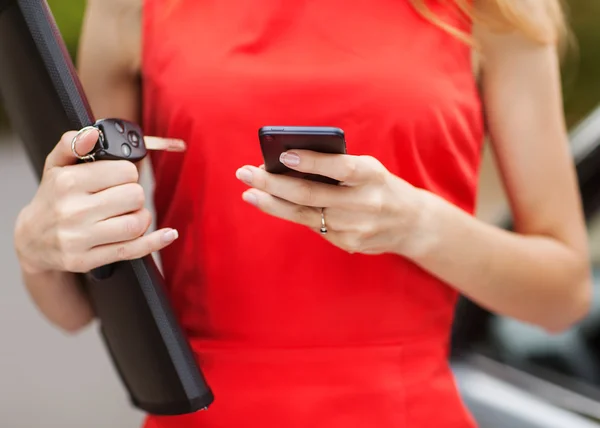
(62, 154)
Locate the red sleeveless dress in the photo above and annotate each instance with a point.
(291, 331)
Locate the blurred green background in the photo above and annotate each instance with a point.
(68, 15)
(581, 70)
(581, 73)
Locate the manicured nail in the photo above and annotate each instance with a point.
(250, 198)
(169, 236)
(175, 145)
(86, 133)
(244, 175)
(289, 159)
(168, 144)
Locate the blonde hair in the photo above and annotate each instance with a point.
(540, 20)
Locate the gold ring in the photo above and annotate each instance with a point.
(323, 229)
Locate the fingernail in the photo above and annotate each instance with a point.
(250, 198)
(169, 236)
(176, 145)
(85, 134)
(290, 159)
(244, 175)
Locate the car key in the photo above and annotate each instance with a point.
(119, 140)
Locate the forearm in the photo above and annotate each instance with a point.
(535, 279)
(59, 296)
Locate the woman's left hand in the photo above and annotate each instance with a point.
(372, 211)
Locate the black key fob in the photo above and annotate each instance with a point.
(119, 140)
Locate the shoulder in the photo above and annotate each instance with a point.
(534, 21)
(538, 10)
(119, 4)
(109, 57)
(115, 27)
(512, 32)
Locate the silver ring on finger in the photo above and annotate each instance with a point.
(323, 229)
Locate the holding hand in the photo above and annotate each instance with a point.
(87, 215)
(372, 211)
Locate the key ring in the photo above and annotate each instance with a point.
(91, 157)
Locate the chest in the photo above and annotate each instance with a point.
(307, 61)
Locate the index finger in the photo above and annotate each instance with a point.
(347, 169)
(168, 144)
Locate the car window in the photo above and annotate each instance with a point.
(594, 238)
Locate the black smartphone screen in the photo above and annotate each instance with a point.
(275, 140)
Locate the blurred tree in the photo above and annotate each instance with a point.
(581, 74)
(582, 66)
(68, 15)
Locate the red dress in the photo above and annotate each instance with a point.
(291, 331)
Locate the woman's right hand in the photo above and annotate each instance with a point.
(85, 215)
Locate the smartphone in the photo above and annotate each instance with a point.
(274, 140)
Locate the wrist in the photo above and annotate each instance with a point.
(20, 243)
(422, 233)
(30, 269)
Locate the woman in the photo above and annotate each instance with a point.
(294, 328)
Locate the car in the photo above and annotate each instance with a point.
(516, 375)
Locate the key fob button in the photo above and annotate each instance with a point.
(122, 140)
(119, 127)
(134, 138)
(126, 150)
